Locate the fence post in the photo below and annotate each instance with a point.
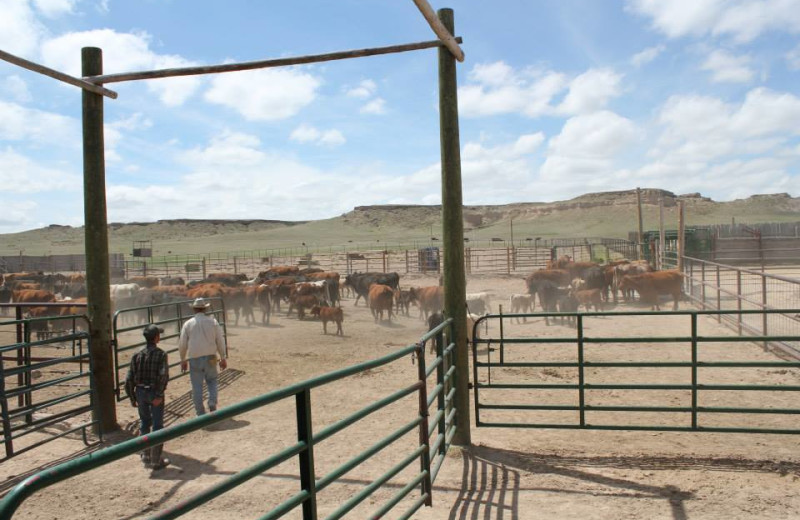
(235, 266)
(764, 306)
(703, 284)
(424, 440)
(204, 268)
(719, 297)
(508, 260)
(739, 298)
(305, 434)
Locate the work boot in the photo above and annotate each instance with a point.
(156, 460)
(145, 456)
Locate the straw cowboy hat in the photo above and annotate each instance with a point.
(200, 303)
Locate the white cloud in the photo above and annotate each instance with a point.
(600, 134)
(646, 56)
(264, 95)
(54, 8)
(524, 145)
(376, 106)
(590, 91)
(586, 146)
(21, 174)
(793, 58)
(16, 88)
(122, 52)
(309, 134)
(37, 127)
(499, 89)
(364, 89)
(727, 68)
(526, 93)
(741, 20)
(703, 128)
(20, 30)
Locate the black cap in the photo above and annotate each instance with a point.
(151, 331)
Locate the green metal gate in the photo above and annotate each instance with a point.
(432, 416)
(127, 334)
(571, 377)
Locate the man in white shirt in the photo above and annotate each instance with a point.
(200, 344)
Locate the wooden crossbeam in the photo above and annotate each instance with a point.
(66, 78)
(262, 64)
(439, 29)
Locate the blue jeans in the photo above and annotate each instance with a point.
(201, 369)
(151, 417)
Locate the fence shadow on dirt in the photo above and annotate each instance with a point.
(491, 478)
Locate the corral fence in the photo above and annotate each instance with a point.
(585, 380)
(129, 323)
(721, 287)
(433, 386)
(518, 260)
(47, 389)
(56, 263)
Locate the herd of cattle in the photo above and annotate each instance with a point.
(563, 286)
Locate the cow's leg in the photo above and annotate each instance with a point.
(325, 327)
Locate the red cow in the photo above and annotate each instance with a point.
(651, 285)
(380, 298)
(429, 299)
(326, 314)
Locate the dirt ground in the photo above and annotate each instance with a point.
(508, 473)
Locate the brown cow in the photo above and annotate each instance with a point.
(301, 303)
(634, 267)
(32, 296)
(589, 298)
(430, 299)
(205, 290)
(263, 298)
(559, 277)
(651, 285)
(278, 271)
(403, 298)
(326, 314)
(380, 298)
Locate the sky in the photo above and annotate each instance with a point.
(556, 99)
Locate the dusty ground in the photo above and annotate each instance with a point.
(507, 473)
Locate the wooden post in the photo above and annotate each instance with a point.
(661, 238)
(640, 249)
(453, 229)
(681, 233)
(96, 243)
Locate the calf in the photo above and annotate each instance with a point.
(301, 303)
(478, 303)
(568, 303)
(589, 298)
(403, 298)
(326, 314)
(521, 303)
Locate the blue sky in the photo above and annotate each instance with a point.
(556, 99)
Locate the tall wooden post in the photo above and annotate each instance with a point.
(96, 244)
(453, 228)
(681, 235)
(641, 231)
(661, 239)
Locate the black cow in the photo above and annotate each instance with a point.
(360, 282)
(548, 294)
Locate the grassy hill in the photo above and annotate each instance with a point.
(608, 214)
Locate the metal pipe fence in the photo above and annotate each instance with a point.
(47, 388)
(586, 380)
(435, 433)
(128, 324)
(721, 287)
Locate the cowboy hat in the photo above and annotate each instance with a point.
(201, 303)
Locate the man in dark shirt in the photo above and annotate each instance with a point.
(147, 380)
